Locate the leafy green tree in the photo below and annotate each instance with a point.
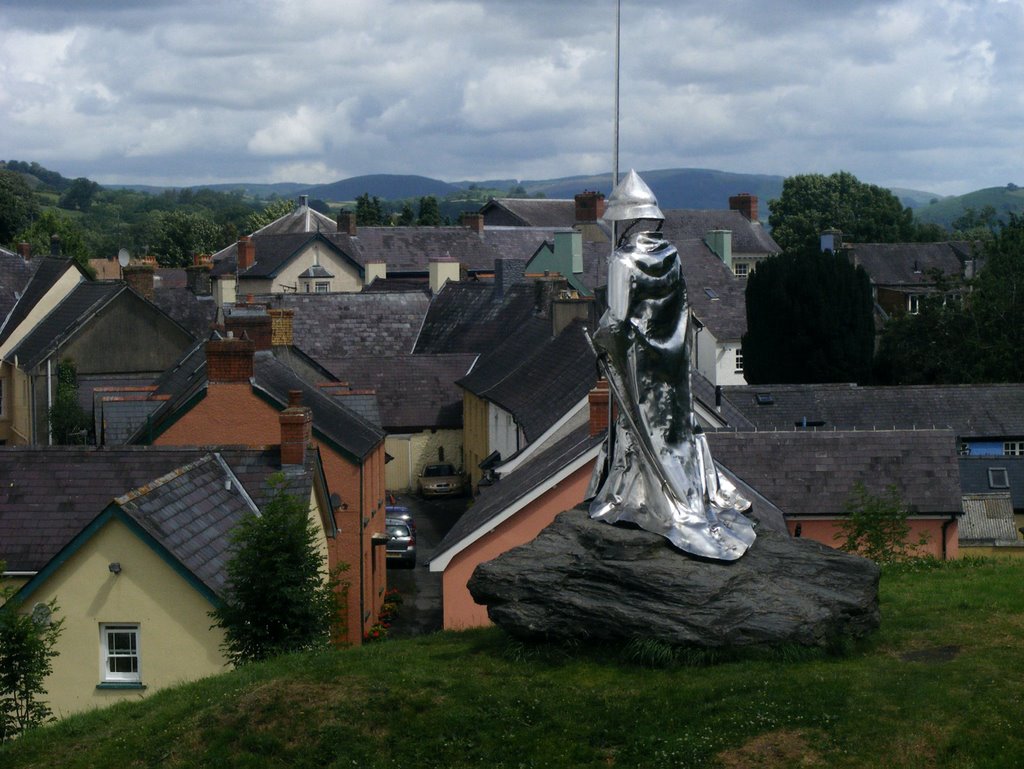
(877, 527)
(69, 424)
(370, 211)
(53, 222)
(79, 196)
(18, 206)
(974, 341)
(27, 648)
(278, 599)
(407, 217)
(179, 234)
(809, 319)
(811, 203)
(429, 213)
(272, 212)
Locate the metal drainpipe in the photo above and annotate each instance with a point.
(49, 401)
(362, 557)
(945, 528)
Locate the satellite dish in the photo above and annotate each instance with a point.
(41, 614)
(123, 257)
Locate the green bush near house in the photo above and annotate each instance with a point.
(938, 686)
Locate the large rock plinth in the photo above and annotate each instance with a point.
(586, 580)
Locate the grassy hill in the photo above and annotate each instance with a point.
(944, 211)
(384, 186)
(938, 686)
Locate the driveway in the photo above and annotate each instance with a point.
(420, 588)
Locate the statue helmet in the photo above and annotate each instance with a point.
(632, 199)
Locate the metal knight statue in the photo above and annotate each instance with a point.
(655, 468)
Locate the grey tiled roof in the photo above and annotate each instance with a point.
(987, 519)
(531, 212)
(974, 476)
(47, 272)
(747, 237)
(119, 416)
(15, 274)
(704, 392)
(814, 473)
(315, 271)
(468, 317)
(495, 499)
(538, 382)
(63, 321)
(302, 219)
(49, 494)
(195, 313)
(971, 411)
(332, 326)
(909, 264)
(716, 296)
(414, 392)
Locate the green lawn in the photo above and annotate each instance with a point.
(939, 686)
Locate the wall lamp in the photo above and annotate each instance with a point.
(115, 567)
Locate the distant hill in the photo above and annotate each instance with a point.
(1003, 199)
(383, 186)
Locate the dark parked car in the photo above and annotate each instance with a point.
(441, 480)
(401, 545)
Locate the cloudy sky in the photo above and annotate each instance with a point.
(927, 94)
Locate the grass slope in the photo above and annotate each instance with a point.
(939, 686)
(944, 211)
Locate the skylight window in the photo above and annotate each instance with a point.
(764, 399)
(712, 295)
(998, 478)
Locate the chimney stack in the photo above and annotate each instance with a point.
(599, 399)
(139, 278)
(831, 240)
(55, 244)
(250, 322)
(229, 359)
(507, 272)
(589, 206)
(746, 204)
(347, 223)
(303, 201)
(197, 279)
(25, 250)
(246, 253)
(296, 430)
(442, 271)
(474, 222)
(282, 327)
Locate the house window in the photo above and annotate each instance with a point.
(739, 361)
(323, 286)
(741, 269)
(1013, 448)
(119, 654)
(914, 304)
(998, 478)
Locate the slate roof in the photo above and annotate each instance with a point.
(469, 317)
(536, 380)
(302, 219)
(909, 264)
(716, 296)
(974, 476)
(15, 274)
(987, 519)
(495, 499)
(405, 250)
(969, 410)
(195, 313)
(117, 417)
(814, 473)
(49, 494)
(747, 237)
(48, 271)
(531, 212)
(414, 392)
(332, 326)
(63, 321)
(704, 392)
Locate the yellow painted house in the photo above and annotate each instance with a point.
(136, 583)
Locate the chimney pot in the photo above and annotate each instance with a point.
(294, 398)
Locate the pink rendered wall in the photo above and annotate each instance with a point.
(826, 531)
(460, 610)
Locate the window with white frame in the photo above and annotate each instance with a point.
(914, 304)
(119, 654)
(323, 286)
(1013, 448)
(741, 269)
(739, 361)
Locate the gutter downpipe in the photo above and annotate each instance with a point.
(49, 401)
(362, 554)
(945, 528)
